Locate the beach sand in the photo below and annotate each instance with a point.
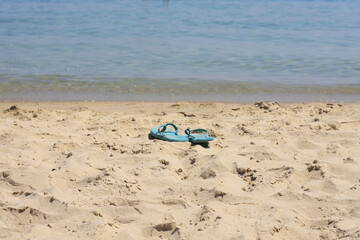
(88, 170)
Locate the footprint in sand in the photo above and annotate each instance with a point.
(269, 106)
(24, 216)
(306, 145)
(208, 173)
(252, 177)
(6, 176)
(167, 230)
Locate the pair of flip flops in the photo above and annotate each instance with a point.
(195, 136)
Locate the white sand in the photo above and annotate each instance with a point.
(89, 171)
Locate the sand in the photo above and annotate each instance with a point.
(88, 170)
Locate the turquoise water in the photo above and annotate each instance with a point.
(232, 49)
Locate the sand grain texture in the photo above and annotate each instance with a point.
(88, 170)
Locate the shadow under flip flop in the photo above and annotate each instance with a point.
(204, 145)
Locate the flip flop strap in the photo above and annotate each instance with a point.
(162, 128)
(188, 132)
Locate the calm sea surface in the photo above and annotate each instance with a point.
(179, 49)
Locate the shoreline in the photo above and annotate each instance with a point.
(89, 170)
(170, 90)
(224, 98)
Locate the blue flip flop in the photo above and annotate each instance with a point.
(198, 138)
(161, 132)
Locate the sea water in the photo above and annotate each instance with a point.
(180, 50)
